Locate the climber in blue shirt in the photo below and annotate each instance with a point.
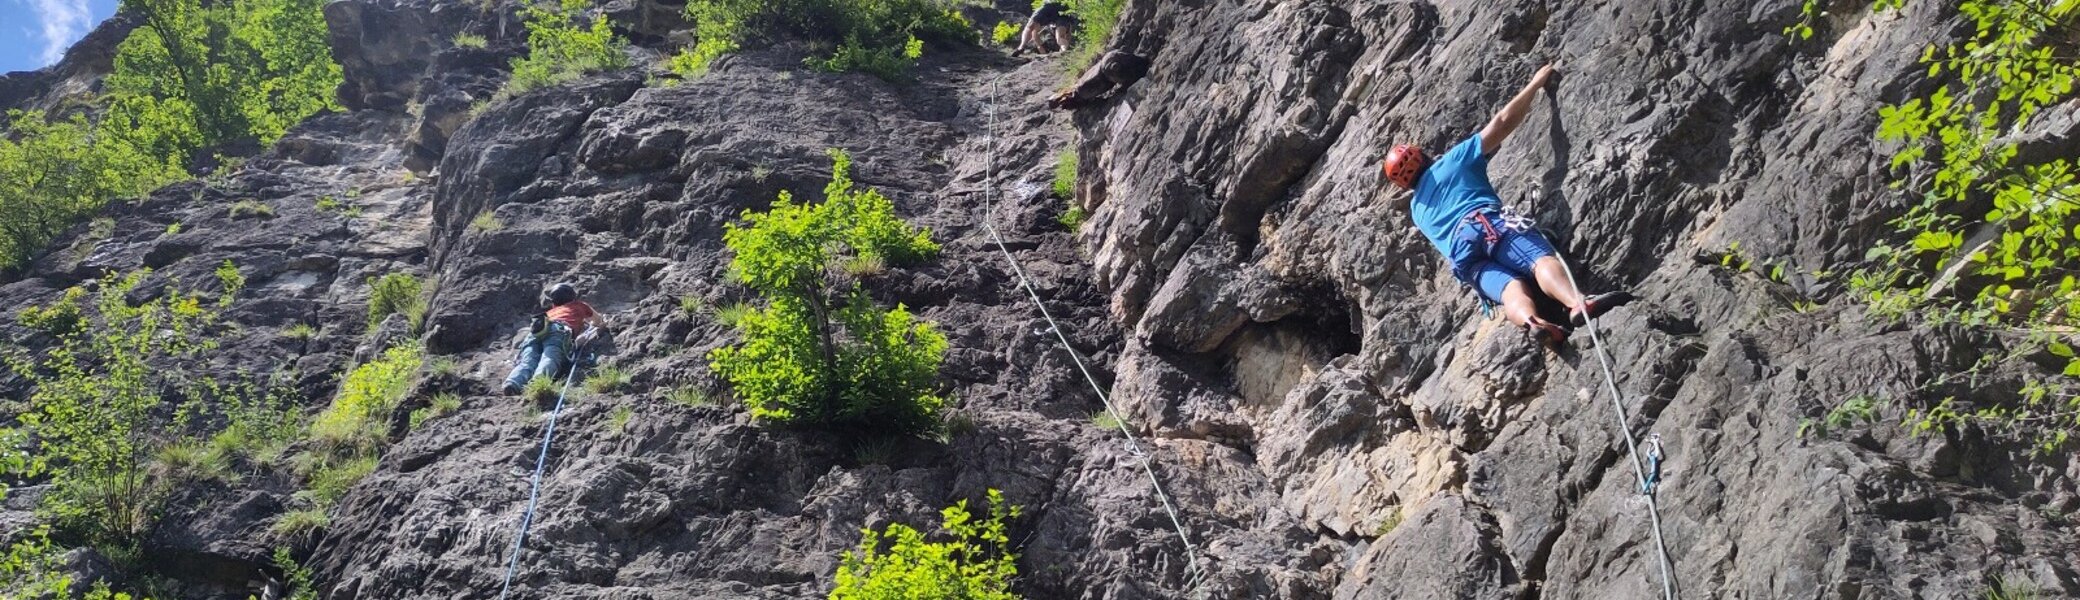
(1491, 249)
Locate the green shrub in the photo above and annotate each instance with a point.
(486, 222)
(560, 50)
(691, 396)
(250, 209)
(541, 389)
(470, 40)
(93, 397)
(442, 366)
(194, 459)
(880, 37)
(898, 564)
(301, 522)
(1957, 160)
(606, 380)
(1096, 20)
(1005, 34)
(443, 404)
(1104, 419)
(617, 421)
(330, 478)
(396, 293)
(32, 567)
(734, 314)
(820, 354)
(692, 305)
(359, 417)
(299, 576)
(1065, 174)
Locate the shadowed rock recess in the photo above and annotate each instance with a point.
(1330, 411)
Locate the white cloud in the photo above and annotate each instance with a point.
(63, 22)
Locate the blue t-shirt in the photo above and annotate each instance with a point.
(1454, 186)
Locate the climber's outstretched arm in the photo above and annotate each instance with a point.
(1512, 115)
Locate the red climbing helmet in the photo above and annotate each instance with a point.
(1404, 164)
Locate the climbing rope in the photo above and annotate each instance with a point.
(534, 485)
(1184, 535)
(1646, 483)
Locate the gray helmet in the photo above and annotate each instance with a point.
(559, 294)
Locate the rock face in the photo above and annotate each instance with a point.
(1329, 413)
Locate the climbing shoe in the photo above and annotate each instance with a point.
(1546, 334)
(1599, 304)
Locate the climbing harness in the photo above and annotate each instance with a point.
(1192, 573)
(1490, 236)
(1646, 483)
(578, 358)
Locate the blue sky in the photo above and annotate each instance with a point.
(35, 33)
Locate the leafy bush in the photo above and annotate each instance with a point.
(898, 564)
(880, 37)
(606, 380)
(1989, 238)
(442, 404)
(1096, 19)
(470, 40)
(56, 174)
(1005, 34)
(359, 417)
(396, 293)
(559, 50)
(32, 567)
(95, 392)
(250, 209)
(301, 522)
(299, 576)
(821, 353)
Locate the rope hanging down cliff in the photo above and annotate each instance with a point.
(534, 484)
(1133, 444)
(1646, 484)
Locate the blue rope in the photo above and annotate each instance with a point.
(534, 485)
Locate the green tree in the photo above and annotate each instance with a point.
(820, 352)
(90, 413)
(899, 564)
(880, 37)
(559, 50)
(1991, 238)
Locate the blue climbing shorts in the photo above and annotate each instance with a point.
(1487, 267)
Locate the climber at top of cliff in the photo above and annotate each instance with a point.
(1490, 248)
(566, 324)
(1048, 16)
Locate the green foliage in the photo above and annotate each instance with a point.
(192, 458)
(1065, 174)
(692, 305)
(2003, 589)
(250, 209)
(1958, 162)
(300, 332)
(691, 396)
(898, 564)
(470, 40)
(617, 420)
(32, 567)
(1388, 522)
(881, 37)
(442, 404)
(820, 352)
(95, 392)
(560, 50)
(1096, 20)
(1856, 410)
(54, 174)
(301, 522)
(1104, 419)
(359, 418)
(541, 389)
(1005, 34)
(334, 205)
(486, 222)
(606, 380)
(734, 314)
(396, 293)
(299, 576)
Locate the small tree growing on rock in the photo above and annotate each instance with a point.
(820, 352)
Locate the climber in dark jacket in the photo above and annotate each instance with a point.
(566, 324)
(1490, 248)
(1050, 15)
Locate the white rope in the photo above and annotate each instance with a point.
(534, 485)
(1133, 444)
(1668, 582)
